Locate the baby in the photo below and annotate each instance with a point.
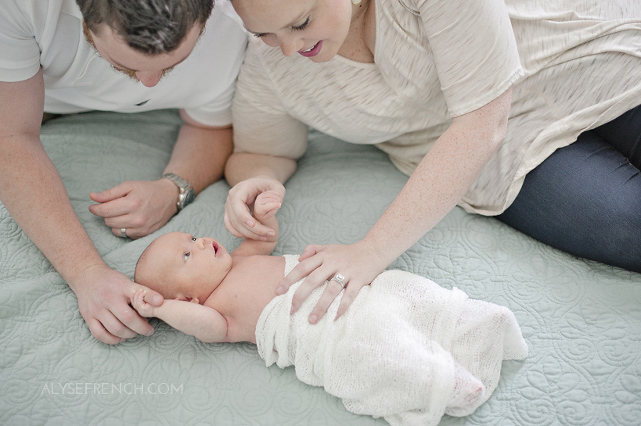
(407, 349)
(226, 291)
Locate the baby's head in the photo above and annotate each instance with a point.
(183, 267)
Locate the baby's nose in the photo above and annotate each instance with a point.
(201, 243)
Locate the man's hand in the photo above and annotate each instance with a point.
(141, 207)
(104, 296)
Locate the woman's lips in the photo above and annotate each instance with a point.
(313, 51)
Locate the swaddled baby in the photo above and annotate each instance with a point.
(407, 349)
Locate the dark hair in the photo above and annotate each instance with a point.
(149, 26)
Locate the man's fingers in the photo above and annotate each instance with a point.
(117, 327)
(111, 209)
(101, 334)
(117, 191)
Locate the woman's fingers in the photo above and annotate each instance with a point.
(300, 271)
(332, 290)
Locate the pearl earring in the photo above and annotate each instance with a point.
(356, 2)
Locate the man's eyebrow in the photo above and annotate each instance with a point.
(121, 66)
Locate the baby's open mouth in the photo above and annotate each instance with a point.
(215, 247)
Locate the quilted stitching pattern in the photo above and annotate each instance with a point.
(582, 320)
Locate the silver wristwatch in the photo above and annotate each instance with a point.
(186, 194)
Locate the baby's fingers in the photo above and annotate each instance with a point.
(137, 300)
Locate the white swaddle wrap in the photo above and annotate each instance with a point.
(407, 349)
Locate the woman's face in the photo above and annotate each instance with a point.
(315, 29)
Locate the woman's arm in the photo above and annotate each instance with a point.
(439, 182)
(204, 323)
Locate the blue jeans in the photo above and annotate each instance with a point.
(585, 199)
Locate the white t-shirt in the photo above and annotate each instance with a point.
(48, 33)
(574, 65)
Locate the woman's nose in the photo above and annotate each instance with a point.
(290, 44)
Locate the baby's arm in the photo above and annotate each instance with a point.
(202, 322)
(265, 208)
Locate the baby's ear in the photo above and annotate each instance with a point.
(188, 299)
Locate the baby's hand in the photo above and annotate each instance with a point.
(266, 205)
(139, 304)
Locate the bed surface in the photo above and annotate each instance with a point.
(581, 320)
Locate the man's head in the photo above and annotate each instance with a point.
(144, 38)
(183, 267)
(148, 26)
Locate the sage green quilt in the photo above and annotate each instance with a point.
(582, 320)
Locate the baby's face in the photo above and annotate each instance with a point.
(192, 267)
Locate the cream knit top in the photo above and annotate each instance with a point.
(574, 65)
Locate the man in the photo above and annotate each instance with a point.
(60, 57)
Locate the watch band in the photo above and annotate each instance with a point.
(186, 193)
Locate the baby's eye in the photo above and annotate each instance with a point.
(193, 239)
(186, 255)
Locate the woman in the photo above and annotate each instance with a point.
(499, 108)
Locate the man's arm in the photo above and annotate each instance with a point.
(202, 322)
(142, 207)
(33, 192)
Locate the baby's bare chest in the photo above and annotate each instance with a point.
(243, 296)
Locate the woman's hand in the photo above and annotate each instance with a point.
(238, 218)
(358, 263)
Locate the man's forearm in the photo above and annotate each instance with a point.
(39, 203)
(200, 154)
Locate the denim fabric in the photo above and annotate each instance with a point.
(585, 199)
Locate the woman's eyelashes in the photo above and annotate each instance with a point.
(297, 28)
(303, 25)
